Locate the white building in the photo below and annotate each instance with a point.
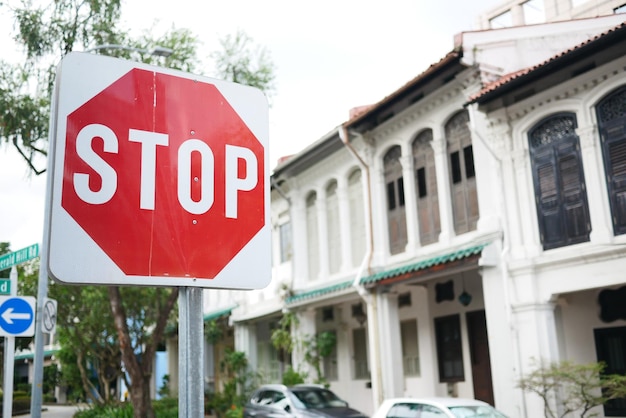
(468, 224)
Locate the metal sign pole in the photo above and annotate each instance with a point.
(190, 353)
(9, 360)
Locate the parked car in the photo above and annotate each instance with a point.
(300, 401)
(436, 408)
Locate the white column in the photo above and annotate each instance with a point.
(390, 344)
(443, 188)
(537, 332)
(245, 341)
(299, 238)
(344, 224)
(595, 180)
(322, 228)
(305, 330)
(380, 217)
(410, 201)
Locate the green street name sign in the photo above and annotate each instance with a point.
(18, 257)
(5, 286)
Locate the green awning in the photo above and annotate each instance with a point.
(211, 316)
(311, 294)
(31, 355)
(424, 264)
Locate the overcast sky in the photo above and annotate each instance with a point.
(330, 56)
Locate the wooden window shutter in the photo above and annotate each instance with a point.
(462, 180)
(426, 188)
(396, 215)
(611, 113)
(560, 195)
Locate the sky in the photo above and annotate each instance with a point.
(329, 56)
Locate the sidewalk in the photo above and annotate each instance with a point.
(56, 411)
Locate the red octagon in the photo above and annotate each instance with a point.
(151, 215)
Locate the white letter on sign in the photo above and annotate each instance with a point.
(207, 176)
(93, 160)
(149, 142)
(233, 182)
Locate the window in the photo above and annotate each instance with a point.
(534, 12)
(313, 237)
(359, 341)
(462, 174)
(504, 20)
(333, 228)
(611, 349)
(449, 348)
(358, 234)
(395, 201)
(612, 126)
(404, 410)
(268, 397)
(426, 184)
(410, 349)
(620, 9)
(286, 243)
(560, 196)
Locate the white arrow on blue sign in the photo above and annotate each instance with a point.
(17, 316)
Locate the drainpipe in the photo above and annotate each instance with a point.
(370, 299)
(505, 247)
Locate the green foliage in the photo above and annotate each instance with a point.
(213, 332)
(242, 62)
(281, 337)
(292, 377)
(165, 408)
(164, 390)
(316, 348)
(51, 378)
(236, 389)
(123, 410)
(567, 387)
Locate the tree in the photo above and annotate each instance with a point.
(567, 387)
(242, 62)
(47, 33)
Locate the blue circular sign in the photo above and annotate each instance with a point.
(16, 315)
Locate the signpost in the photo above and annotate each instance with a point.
(17, 317)
(158, 178)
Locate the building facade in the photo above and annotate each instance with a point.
(462, 230)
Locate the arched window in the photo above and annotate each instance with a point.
(358, 234)
(333, 231)
(426, 188)
(611, 112)
(312, 236)
(395, 200)
(462, 175)
(559, 181)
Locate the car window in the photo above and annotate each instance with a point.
(429, 411)
(315, 398)
(481, 411)
(268, 397)
(404, 410)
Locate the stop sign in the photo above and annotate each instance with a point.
(158, 178)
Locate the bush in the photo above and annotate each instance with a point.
(566, 387)
(292, 377)
(164, 408)
(21, 405)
